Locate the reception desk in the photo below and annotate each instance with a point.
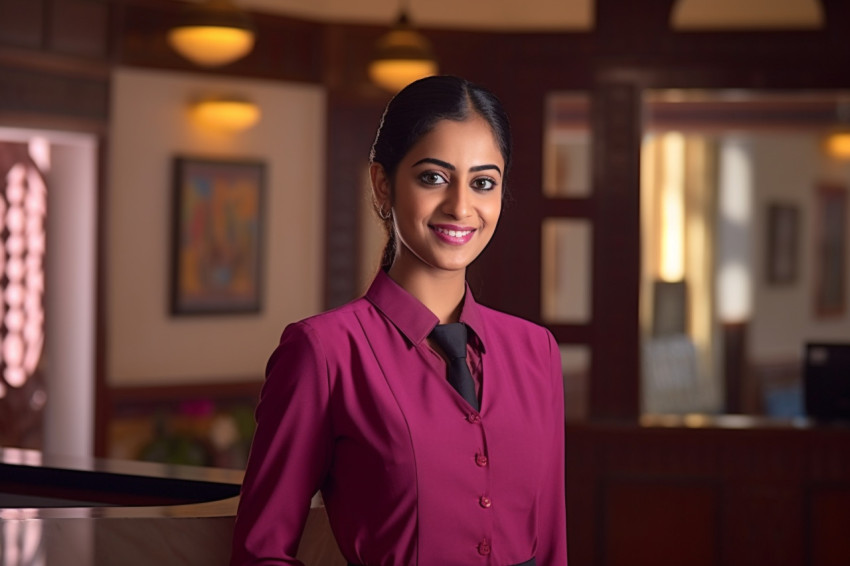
(708, 491)
(69, 512)
(666, 491)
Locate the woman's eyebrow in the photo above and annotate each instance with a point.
(439, 162)
(484, 168)
(451, 167)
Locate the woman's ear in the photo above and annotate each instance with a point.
(380, 186)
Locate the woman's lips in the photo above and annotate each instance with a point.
(455, 235)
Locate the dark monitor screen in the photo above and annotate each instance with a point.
(826, 380)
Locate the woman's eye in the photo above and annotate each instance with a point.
(432, 178)
(484, 184)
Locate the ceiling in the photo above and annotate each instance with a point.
(545, 15)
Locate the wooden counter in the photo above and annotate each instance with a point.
(668, 491)
(708, 491)
(61, 512)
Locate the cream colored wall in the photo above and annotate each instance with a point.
(149, 126)
(788, 167)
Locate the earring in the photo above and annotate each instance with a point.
(385, 214)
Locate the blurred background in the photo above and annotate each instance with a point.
(678, 220)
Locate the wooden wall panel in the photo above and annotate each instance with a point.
(35, 92)
(711, 495)
(657, 523)
(351, 127)
(829, 514)
(80, 27)
(617, 129)
(285, 48)
(762, 523)
(21, 23)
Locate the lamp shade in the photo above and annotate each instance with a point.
(212, 34)
(402, 56)
(231, 114)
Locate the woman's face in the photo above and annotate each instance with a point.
(447, 197)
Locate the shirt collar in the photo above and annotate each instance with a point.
(410, 316)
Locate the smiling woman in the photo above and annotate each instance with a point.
(444, 202)
(401, 407)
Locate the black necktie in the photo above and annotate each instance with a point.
(452, 339)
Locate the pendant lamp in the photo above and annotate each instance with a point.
(213, 33)
(402, 56)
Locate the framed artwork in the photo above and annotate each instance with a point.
(830, 250)
(217, 233)
(783, 233)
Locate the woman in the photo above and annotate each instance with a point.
(357, 402)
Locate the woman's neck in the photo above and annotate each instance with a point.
(441, 291)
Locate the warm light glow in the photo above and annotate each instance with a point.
(672, 263)
(731, 14)
(735, 195)
(838, 145)
(736, 182)
(226, 114)
(211, 46)
(734, 290)
(394, 74)
(402, 56)
(23, 207)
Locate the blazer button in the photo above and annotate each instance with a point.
(485, 502)
(481, 459)
(473, 418)
(484, 547)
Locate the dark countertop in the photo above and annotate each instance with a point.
(57, 510)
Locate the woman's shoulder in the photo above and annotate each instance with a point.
(321, 335)
(332, 320)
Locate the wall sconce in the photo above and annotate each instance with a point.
(838, 145)
(402, 56)
(231, 114)
(212, 34)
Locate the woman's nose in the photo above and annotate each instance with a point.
(457, 202)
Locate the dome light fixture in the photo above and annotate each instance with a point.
(213, 33)
(226, 113)
(402, 56)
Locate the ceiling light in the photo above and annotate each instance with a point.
(212, 34)
(232, 114)
(402, 56)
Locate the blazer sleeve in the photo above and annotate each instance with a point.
(290, 452)
(551, 504)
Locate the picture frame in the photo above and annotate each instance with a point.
(830, 250)
(783, 235)
(216, 246)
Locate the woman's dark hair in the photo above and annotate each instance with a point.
(413, 113)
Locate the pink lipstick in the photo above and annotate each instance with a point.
(455, 235)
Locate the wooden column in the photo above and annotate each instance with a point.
(615, 365)
(741, 395)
